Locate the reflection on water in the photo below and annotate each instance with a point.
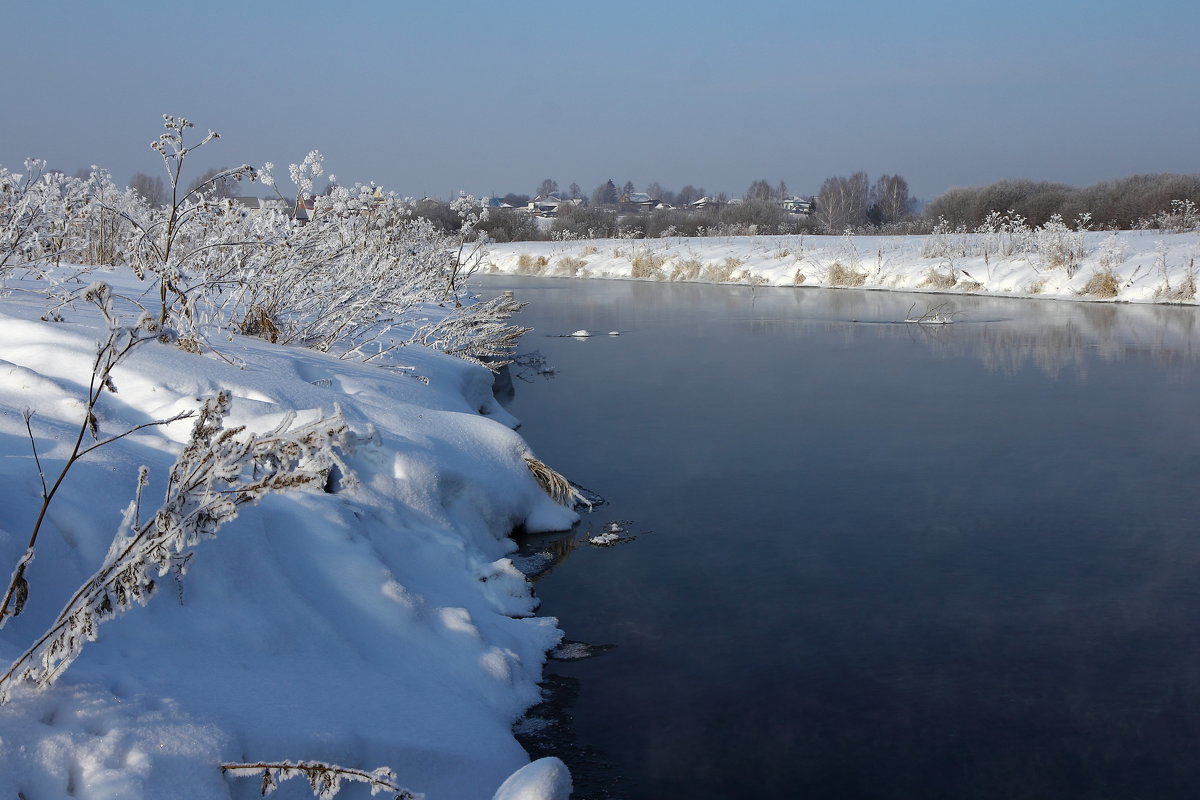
(1004, 335)
(889, 561)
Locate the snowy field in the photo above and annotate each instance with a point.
(370, 619)
(1049, 262)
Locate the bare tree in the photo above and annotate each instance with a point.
(842, 202)
(781, 192)
(759, 190)
(574, 192)
(547, 188)
(150, 189)
(689, 194)
(890, 200)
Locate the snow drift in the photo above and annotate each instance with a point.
(375, 622)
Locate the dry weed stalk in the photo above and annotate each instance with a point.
(120, 341)
(218, 471)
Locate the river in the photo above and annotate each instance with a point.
(871, 559)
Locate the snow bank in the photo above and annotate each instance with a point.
(1128, 266)
(380, 624)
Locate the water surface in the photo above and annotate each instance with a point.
(873, 559)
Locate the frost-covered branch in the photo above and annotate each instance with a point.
(324, 779)
(219, 470)
(116, 347)
(481, 332)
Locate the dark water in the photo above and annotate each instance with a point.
(873, 560)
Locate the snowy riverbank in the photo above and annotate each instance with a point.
(372, 624)
(1127, 266)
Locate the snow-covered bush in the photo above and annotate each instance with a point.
(1005, 235)
(1183, 216)
(945, 241)
(1059, 246)
(37, 212)
(478, 332)
(184, 246)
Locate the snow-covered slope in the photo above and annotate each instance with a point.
(379, 624)
(1130, 266)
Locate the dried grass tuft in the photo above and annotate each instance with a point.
(646, 265)
(686, 269)
(840, 275)
(1103, 283)
(554, 484)
(935, 279)
(569, 266)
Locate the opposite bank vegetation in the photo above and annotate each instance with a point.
(1003, 256)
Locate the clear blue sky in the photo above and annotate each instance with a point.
(436, 97)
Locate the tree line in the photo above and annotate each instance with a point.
(843, 203)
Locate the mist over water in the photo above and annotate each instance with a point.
(873, 559)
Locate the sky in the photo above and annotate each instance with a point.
(435, 98)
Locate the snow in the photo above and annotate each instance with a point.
(380, 624)
(544, 779)
(1146, 266)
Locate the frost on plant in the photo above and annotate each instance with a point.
(479, 333)
(219, 470)
(1061, 247)
(325, 780)
(120, 341)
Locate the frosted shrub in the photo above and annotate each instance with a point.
(182, 246)
(1112, 252)
(1005, 235)
(338, 282)
(945, 241)
(1186, 289)
(358, 277)
(466, 260)
(1059, 246)
(1182, 217)
(479, 332)
(107, 221)
(38, 212)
